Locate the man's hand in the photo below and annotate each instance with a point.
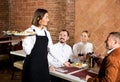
(87, 77)
(67, 64)
(51, 68)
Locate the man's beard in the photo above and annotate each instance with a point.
(62, 40)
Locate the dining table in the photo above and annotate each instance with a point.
(72, 74)
(12, 41)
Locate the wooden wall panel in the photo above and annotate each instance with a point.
(99, 17)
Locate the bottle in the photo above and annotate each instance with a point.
(90, 58)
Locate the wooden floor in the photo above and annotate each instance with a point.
(6, 74)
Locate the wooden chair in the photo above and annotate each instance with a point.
(18, 64)
(5, 49)
(17, 61)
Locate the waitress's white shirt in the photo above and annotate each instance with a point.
(29, 41)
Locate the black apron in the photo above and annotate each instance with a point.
(35, 68)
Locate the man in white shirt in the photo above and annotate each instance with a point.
(61, 52)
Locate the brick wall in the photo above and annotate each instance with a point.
(70, 19)
(4, 15)
(61, 15)
(98, 16)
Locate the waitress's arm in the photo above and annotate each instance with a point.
(50, 42)
(28, 43)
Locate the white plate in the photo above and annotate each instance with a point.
(24, 34)
(79, 65)
(16, 33)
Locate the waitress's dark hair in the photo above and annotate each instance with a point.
(38, 15)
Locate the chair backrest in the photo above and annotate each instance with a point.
(18, 46)
(5, 48)
(4, 38)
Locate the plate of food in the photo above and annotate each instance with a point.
(8, 32)
(24, 33)
(17, 33)
(79, 64)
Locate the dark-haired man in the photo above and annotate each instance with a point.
(61, 52)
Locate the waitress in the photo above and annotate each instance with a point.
(35, 68)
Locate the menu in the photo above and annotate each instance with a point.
(82, 74)
(67, 70)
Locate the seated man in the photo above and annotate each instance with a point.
(60, 53)
(110, 67)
